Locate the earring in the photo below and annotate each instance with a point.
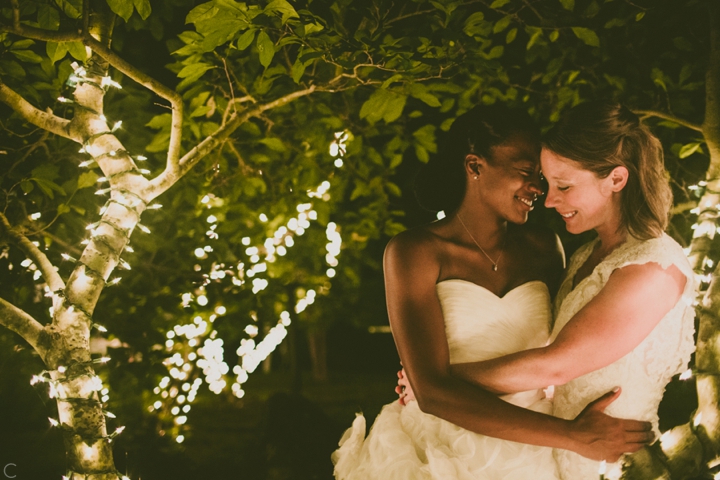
(475, 177)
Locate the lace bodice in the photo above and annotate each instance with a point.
(480, 325)
(644, 372)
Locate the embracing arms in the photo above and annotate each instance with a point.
(411, 273)
(611, 325)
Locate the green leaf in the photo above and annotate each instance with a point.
(160, 121)
(22, 44)
(143, 8)
(394, 107)
(45, 171)
(246, 39)
(124, 8)
(658, 78)
(298, 69)
(72, 8)
(86, 180)
(27, 56)
(499, 3)
(568, 4)
(273, 144)
(554, 35)
(639, 16)
(77, 50)
(48, 17)
(420, 91)
(202, 12)
(511, 35)
(425, 136)
(311, 28)
(422, 154)
(27, 186)
(685, 73)
(689, 149)
(535, 33)
(62, 208)
(393, 189)
(195, 70)
(502, 24)
(48, 187)
(283, 8)
(266, 48)
(496, 52)
(587, 36)
(56, 51)
(396, 161)
(474, 24)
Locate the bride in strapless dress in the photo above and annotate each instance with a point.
(471, 287)
(406, 443)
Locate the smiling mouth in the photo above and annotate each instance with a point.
(526, 201)
(568, 215)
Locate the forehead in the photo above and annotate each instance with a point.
(555, 166)
(518, 148)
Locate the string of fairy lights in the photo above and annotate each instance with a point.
(197, 354)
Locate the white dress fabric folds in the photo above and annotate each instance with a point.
(407, 444)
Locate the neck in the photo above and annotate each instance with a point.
(611, 238)
(488, 230)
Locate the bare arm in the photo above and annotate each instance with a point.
(610, 326)
(411, 272)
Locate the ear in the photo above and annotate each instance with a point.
(474, 164)
(618, 178)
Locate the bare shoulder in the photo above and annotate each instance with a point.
(413, 250)
(415, 242)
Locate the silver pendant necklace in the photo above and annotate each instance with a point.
(494, 262)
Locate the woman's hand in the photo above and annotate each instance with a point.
(601, 437)
(403, 389)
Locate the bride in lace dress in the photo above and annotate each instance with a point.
(471, 287)
(623, 312)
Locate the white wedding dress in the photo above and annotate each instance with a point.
(644, 372)
(407, 444)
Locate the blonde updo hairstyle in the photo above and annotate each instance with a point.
(601, 136)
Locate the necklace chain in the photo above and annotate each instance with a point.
(494, 262)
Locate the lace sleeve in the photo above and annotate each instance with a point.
(675, 331)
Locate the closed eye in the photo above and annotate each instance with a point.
(562, 189)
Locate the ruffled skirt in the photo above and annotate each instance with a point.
(407, 444)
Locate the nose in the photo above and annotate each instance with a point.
(551, 199)
(535, 184)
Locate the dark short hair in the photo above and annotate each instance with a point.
(440, 185)
(601, 136)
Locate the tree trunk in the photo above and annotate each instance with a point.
(687, 450)
(317, 342)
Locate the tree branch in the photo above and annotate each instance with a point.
(52, 277)
(153, 85)
(670, 118)
(166, 179)
(123, 66)
(46, 121)
(21, 323)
